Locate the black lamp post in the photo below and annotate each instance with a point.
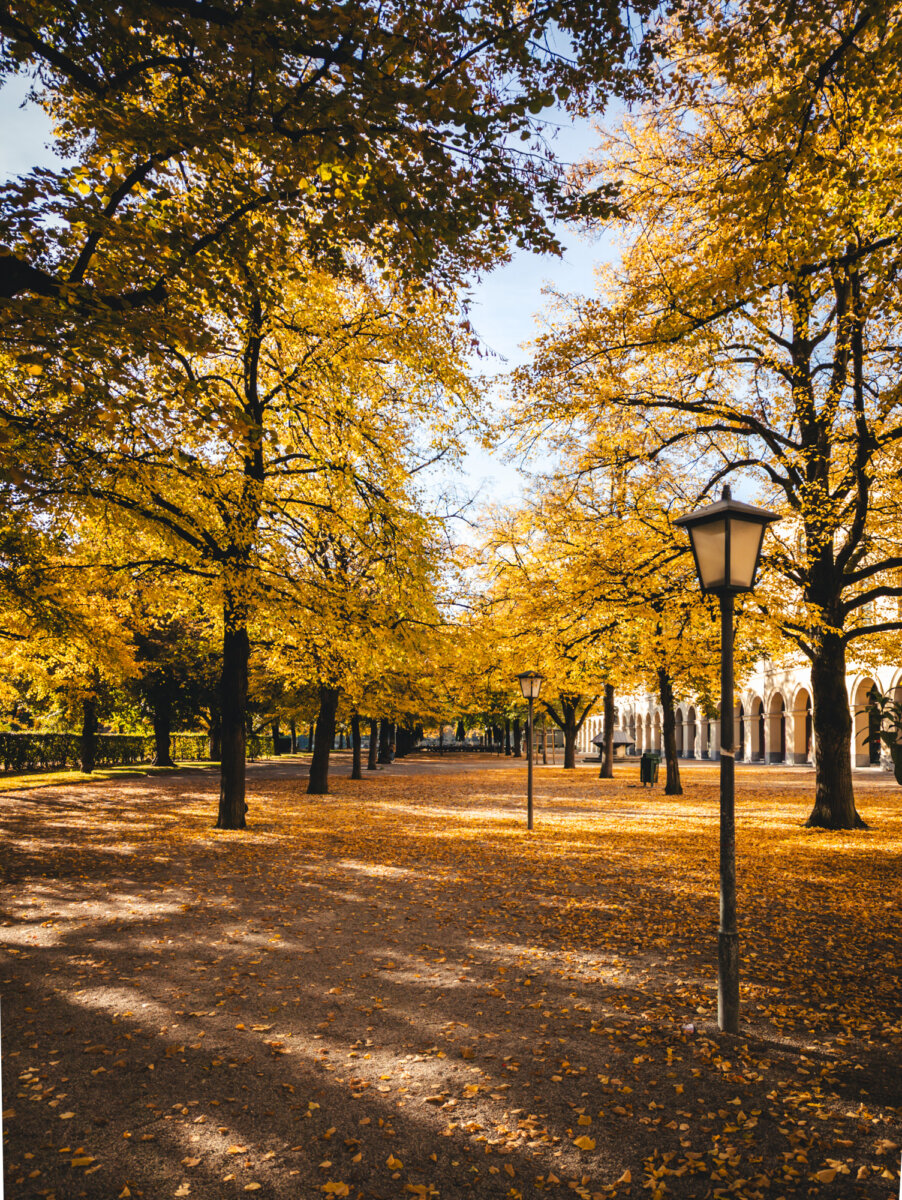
(726, 542)
(530, 686)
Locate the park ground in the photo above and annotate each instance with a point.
(397, 991)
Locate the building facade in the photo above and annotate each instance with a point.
(772, 720)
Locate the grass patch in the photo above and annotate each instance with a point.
(35, 779)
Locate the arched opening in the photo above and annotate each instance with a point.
(680, 728)
(757, 729)
(777, 718)
(656, 743)
(714, 735)
(739, 730)
(802, 727)
(691, 733)
(866, 748)
(647, 743)
(632, 729)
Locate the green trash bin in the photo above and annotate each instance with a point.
(648, 767)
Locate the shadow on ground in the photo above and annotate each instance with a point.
(396, 991)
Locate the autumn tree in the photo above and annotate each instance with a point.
(228, 451)
(753, 325)
(342, 127)
(356, 587)
(71, 656)
(177, 648)
(535, 625)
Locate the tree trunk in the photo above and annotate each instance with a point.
(461, 735)
(323, 741)
(162, 731)
(569, 726)
(507, 737)
(607, 749)
(310, 734)
(233, 701)
(386, 738)
(88, 734)
(356, 772)
(373, 756)
(834, 799)
(214, 744)
(570, 732)
(570, 723)
(672, 787)
(293, 733)
(517, 752)
(276, 747)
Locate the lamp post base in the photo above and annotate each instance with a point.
(728, 981)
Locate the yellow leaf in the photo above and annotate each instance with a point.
(393, 1164)
(336, 1189)
(584, 1143)
(584, 1120)
(825, 1176)
(251, 1187)
(84, 1161)
(626, 1177)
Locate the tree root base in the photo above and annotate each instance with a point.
(821, 820)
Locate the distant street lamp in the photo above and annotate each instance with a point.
(530, 686)
(726, 542)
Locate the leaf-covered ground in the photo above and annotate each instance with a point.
(396, 991)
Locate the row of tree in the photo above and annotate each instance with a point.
(234, 345)
(233, 338)
(751, 328)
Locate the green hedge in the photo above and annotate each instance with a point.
(23, 751)
(28, 751)
(195, 747)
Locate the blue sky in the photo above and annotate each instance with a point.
(505, 304)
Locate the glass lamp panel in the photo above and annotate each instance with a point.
(709, 541)
(745, 543)
(530, 682)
